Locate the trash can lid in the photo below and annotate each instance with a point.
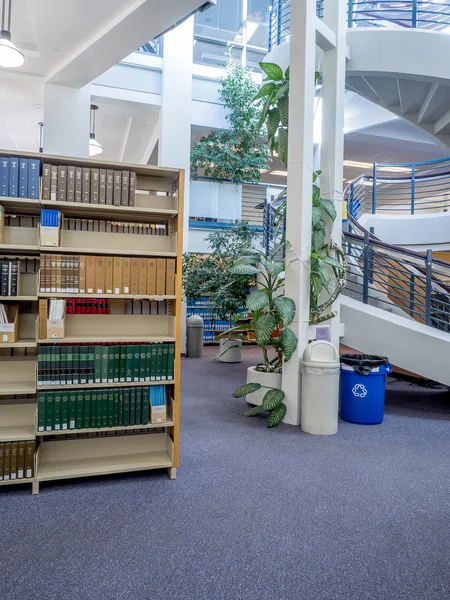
(195, 321)
(364, 360)
(320, 353)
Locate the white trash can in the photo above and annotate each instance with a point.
(320, 389)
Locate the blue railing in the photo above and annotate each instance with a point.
(369, 13)
(413, 188)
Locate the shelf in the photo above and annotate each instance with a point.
(136, 214)
(18, 249)
(21, 343)
(18, 377)
(15, 481)
(103, 429)
(115, 251)
(94, 386)
(18, 298)
(17, 422)
(105, 339)
(16, 388)
(23, 205)
(88, 457)
(112, 296)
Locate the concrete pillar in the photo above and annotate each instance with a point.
(332, 147)
(67, 120)
(299, 184)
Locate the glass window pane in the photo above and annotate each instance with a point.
(257, 34)
(221, 22)
(254, 57)
(213, 54)
(258, 11)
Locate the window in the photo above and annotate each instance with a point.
(154, 47)
(214, 54)
(258, 11)
(221, 22)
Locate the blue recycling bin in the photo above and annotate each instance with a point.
(363, 386)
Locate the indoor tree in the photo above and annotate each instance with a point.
(238, 152)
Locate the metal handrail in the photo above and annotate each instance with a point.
(412, 14)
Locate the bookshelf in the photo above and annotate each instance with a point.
(105, 230)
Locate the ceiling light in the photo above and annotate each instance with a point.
(10, 56)
(94, 147)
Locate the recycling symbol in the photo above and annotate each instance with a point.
(359, 391)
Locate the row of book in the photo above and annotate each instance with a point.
(94, 409)
(102, 226)
(104, 363)
(87, 306)
(102, 306)
(16, 460)
(119, 275)
(91, 186)
(9, 276)
(19, 178)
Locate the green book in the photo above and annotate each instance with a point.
(116, 408)
(62, 365)
(111, 408)
(65, 410)
(171, 362)
(133, 406)
(142, 362)
(94, 409)
(49, 411)
(69, 362)
(105, 408)
(79, 415)
(136, 361)
(98, 364)
(164, 362)
(99, 409)
(45, 366)
(120, 407)
(154, 361)
(105, 349)
(72, 408)
(57, 411)
(41, 411)
(87, 410)
(76, 365)
(138, 417)
(116, 363)
(111, 355)
(148, 361)
(83, 364)
(41, 366)
(145, 405)
(126, 407)
(55, 363)
(130, 360)
(91, 363)
(159, 360)
(123, 364)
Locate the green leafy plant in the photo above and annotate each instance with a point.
(328, 263)
(239, 152)
(210, 275)
(272, 313)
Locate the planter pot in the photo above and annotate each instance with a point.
(272, 380)
(234, 352)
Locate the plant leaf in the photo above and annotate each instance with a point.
(273, 71)
(272, 399)
(264, 327)
(287, 73)
(289, 342)
(283, 105)
(286, 308)
(329, 208)
(265, 90)
(248, 388)
(274, 269)
(265, 110)
(316, 216)
(318, 239)
(316, 194)
(254, 411)
(283, 145)
(257, 300)
(316, 284)
(333, 262)
(246, 260)
(273, 120)
(244, 270)
(276, 415)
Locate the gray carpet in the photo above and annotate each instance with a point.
(254, 514)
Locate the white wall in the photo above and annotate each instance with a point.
(197, 241)
(410, 230)
(215, 200)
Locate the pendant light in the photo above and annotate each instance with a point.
(41, 137)
(94, 147)
(10, 56)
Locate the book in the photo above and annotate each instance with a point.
(80, 409)
(165, 358)
(64, 410)
(14, 177)
(4, 178)
(33, 178)
(102, 187)
(87, 410)
(117, 274)
(98, 364)
(116, 408)
(2, 452)
(171, 362)
(46, 169)
(41, 407)
(53, 182)
(151, 276)
(20, 460)
(105, 357)
(133, 406)
(7, 461)
(138, 406)
(159, 361)
(95, 186)
(100, 274)
(145, 406)
(13, 467)
(148, 361)
(57, 411)
(62, 183)
(126, 274)
(23, 178)
(126, 407)
(142, 277)
(14, 275)
(111, 360)
(142, 362)
(160, 276)
(116, 363)
(132, 190)
(72, 409)
(99, 409)
(109, 274)
(82, 274)
(109, 187)
(29, 459)
(71, 173)
(125, 187)
(154, 362)
(136, 361)
(93, 409)
(117, 188)
(134, 276)
(110, 422)
(104, 409)
(49, 411)
(170, 276)
(78, 184)
(86, 188)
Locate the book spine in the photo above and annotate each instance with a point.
(80, 408)
(171, 362)
(123, 364)
(70, 184)
(133, 406)
(41, 409)
(138, 406)
(145, 405)
(86, 197)
(116, 408)
(93, 409)
(72, 409)
(23, 178)
(49, 411)
(117, 188)
(62, 183)
(109, 187)
(87, 410)
(4, 176)
(21, 460)
(126, 408)
(95, 186)
(33, 178)
(14, 276)
(53, 182)
(110, 408)
(2, 454)
(78, 184)
(105, 409)
(14, 177)
(132, 190)
(102, 187)
(5, 276)
(29, 459)
(65, 410)
(45, 194)
(13, 468)
(125, 187)
(57, 411)
(136, 361)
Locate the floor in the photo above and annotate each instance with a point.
(255, 514)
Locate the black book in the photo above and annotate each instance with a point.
(14, 276)
(40, 363)
(5, 276)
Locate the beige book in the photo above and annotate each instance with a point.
(100, 274)
(151, 276)
(160, 276)
(126, 274)
(170, 277)
(90, 274)
(82, 274)
(43, 316)
(142, 276)
(117, 275)
(134, 276)
(109, 270)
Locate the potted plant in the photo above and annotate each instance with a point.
(272, 313)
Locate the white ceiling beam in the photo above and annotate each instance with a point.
(442, 122)
(427, 101)
(140, 21)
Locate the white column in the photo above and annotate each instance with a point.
(332, 147)
(299, 184)
(174, 145)
(66, 120)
